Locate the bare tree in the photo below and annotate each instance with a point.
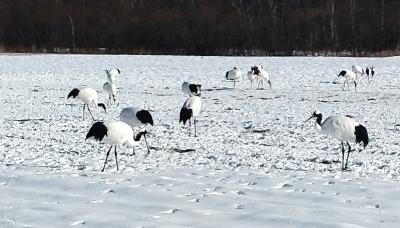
(72, 33)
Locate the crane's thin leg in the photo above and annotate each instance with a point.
(344, 84)
(342, 155)
(234, 83)
(190, 127)
(194, 122)
(147, 145)
(348, 154)
(105, 162)
(355, 86)
(90, 112)
(116, 158)
(83, 114)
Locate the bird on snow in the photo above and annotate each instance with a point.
(88, 96)
(137, 118)
(357, 70)
(191, 108)
(111, 90)
(191, 89)
(113, 133)
(112, 74)
(342, 128)
(251, 76)
(261, 76)
(349, 76)
(234, 75)
(369, 71)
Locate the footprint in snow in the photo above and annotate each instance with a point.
(109, 191)
(283, 185)
(329, 183)
(238, 206)
(239, 192)
(96, 201)
(193, 201)
(77, 223)
(170, 211)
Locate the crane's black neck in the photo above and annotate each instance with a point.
(319, 119)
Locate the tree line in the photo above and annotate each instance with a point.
(202, 27)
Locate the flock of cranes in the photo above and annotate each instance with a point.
(256, 74)
(121, 132)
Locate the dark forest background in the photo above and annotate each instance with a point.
(202, 27)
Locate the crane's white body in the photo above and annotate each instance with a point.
(357, 70)
(339, 127)
(251, 76)
(193, 103)
(88, 96)
(112, 75)
(234, 75)
(119, 133)
(128, 115)
(262, 77)
(111, 90)
(349, 76)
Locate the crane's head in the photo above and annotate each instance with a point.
(255, 70)
(317, 114)
(195, 89)
(342, 73)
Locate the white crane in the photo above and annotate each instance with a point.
(191, 89)
(357, 70)
(261, 76)
(251, 76)
(234, 75)
(191, 108)
(112, 74)
(369, 71)
(113, 133)
(111, 90)
(349, 77)
(342, 128)
(88, 96)
(137, 118)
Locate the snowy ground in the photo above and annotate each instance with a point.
(255, 162)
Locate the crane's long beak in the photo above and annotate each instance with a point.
(309, 119)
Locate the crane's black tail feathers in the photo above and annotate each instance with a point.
(139, 136)
(361, 135)
(98, 131)
(102, 106)
(145, 117)
(185, 115)
(73, 93)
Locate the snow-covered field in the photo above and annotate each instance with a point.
(256, 163)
